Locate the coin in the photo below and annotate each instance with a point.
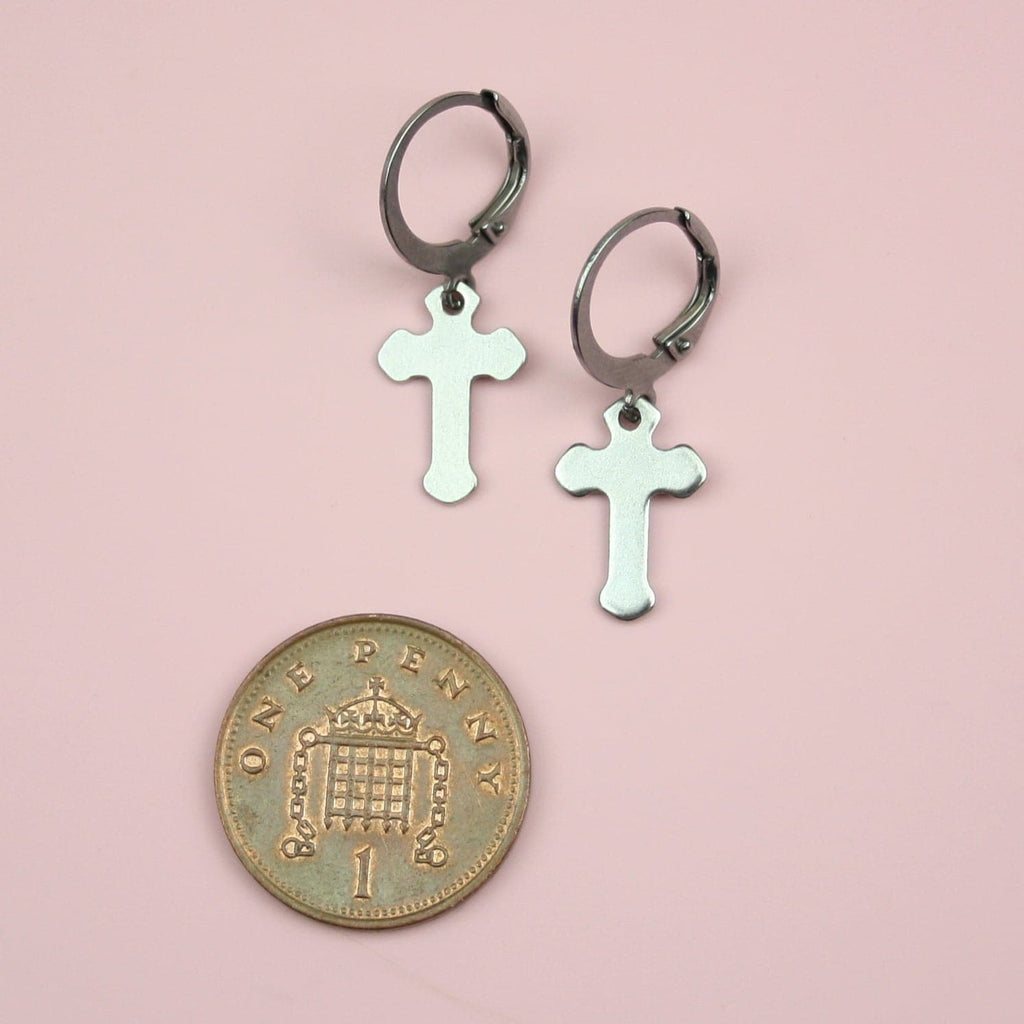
(372, 771)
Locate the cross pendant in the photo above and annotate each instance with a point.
(451, 355)
(629, 472)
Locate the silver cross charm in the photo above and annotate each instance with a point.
(629, 471)
(450, 355)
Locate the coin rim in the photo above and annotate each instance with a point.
(511, 833)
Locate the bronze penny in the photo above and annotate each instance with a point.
(372, 771)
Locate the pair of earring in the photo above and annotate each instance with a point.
(630, 470)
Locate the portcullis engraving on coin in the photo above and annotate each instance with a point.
(372, 771)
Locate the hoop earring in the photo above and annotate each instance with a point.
(452, 353)
(631, 469)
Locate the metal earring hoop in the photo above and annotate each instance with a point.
(455, 259)
(637, 374)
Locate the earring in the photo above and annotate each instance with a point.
(631, 469)
(452, 353)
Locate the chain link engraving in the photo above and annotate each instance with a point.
(428, 849)
(301, 845)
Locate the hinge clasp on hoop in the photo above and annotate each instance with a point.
(455, 259)
(636, 375)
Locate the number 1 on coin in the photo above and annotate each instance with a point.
(363, 878)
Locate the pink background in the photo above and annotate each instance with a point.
(793, 791)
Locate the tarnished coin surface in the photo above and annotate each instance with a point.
(372, 771)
